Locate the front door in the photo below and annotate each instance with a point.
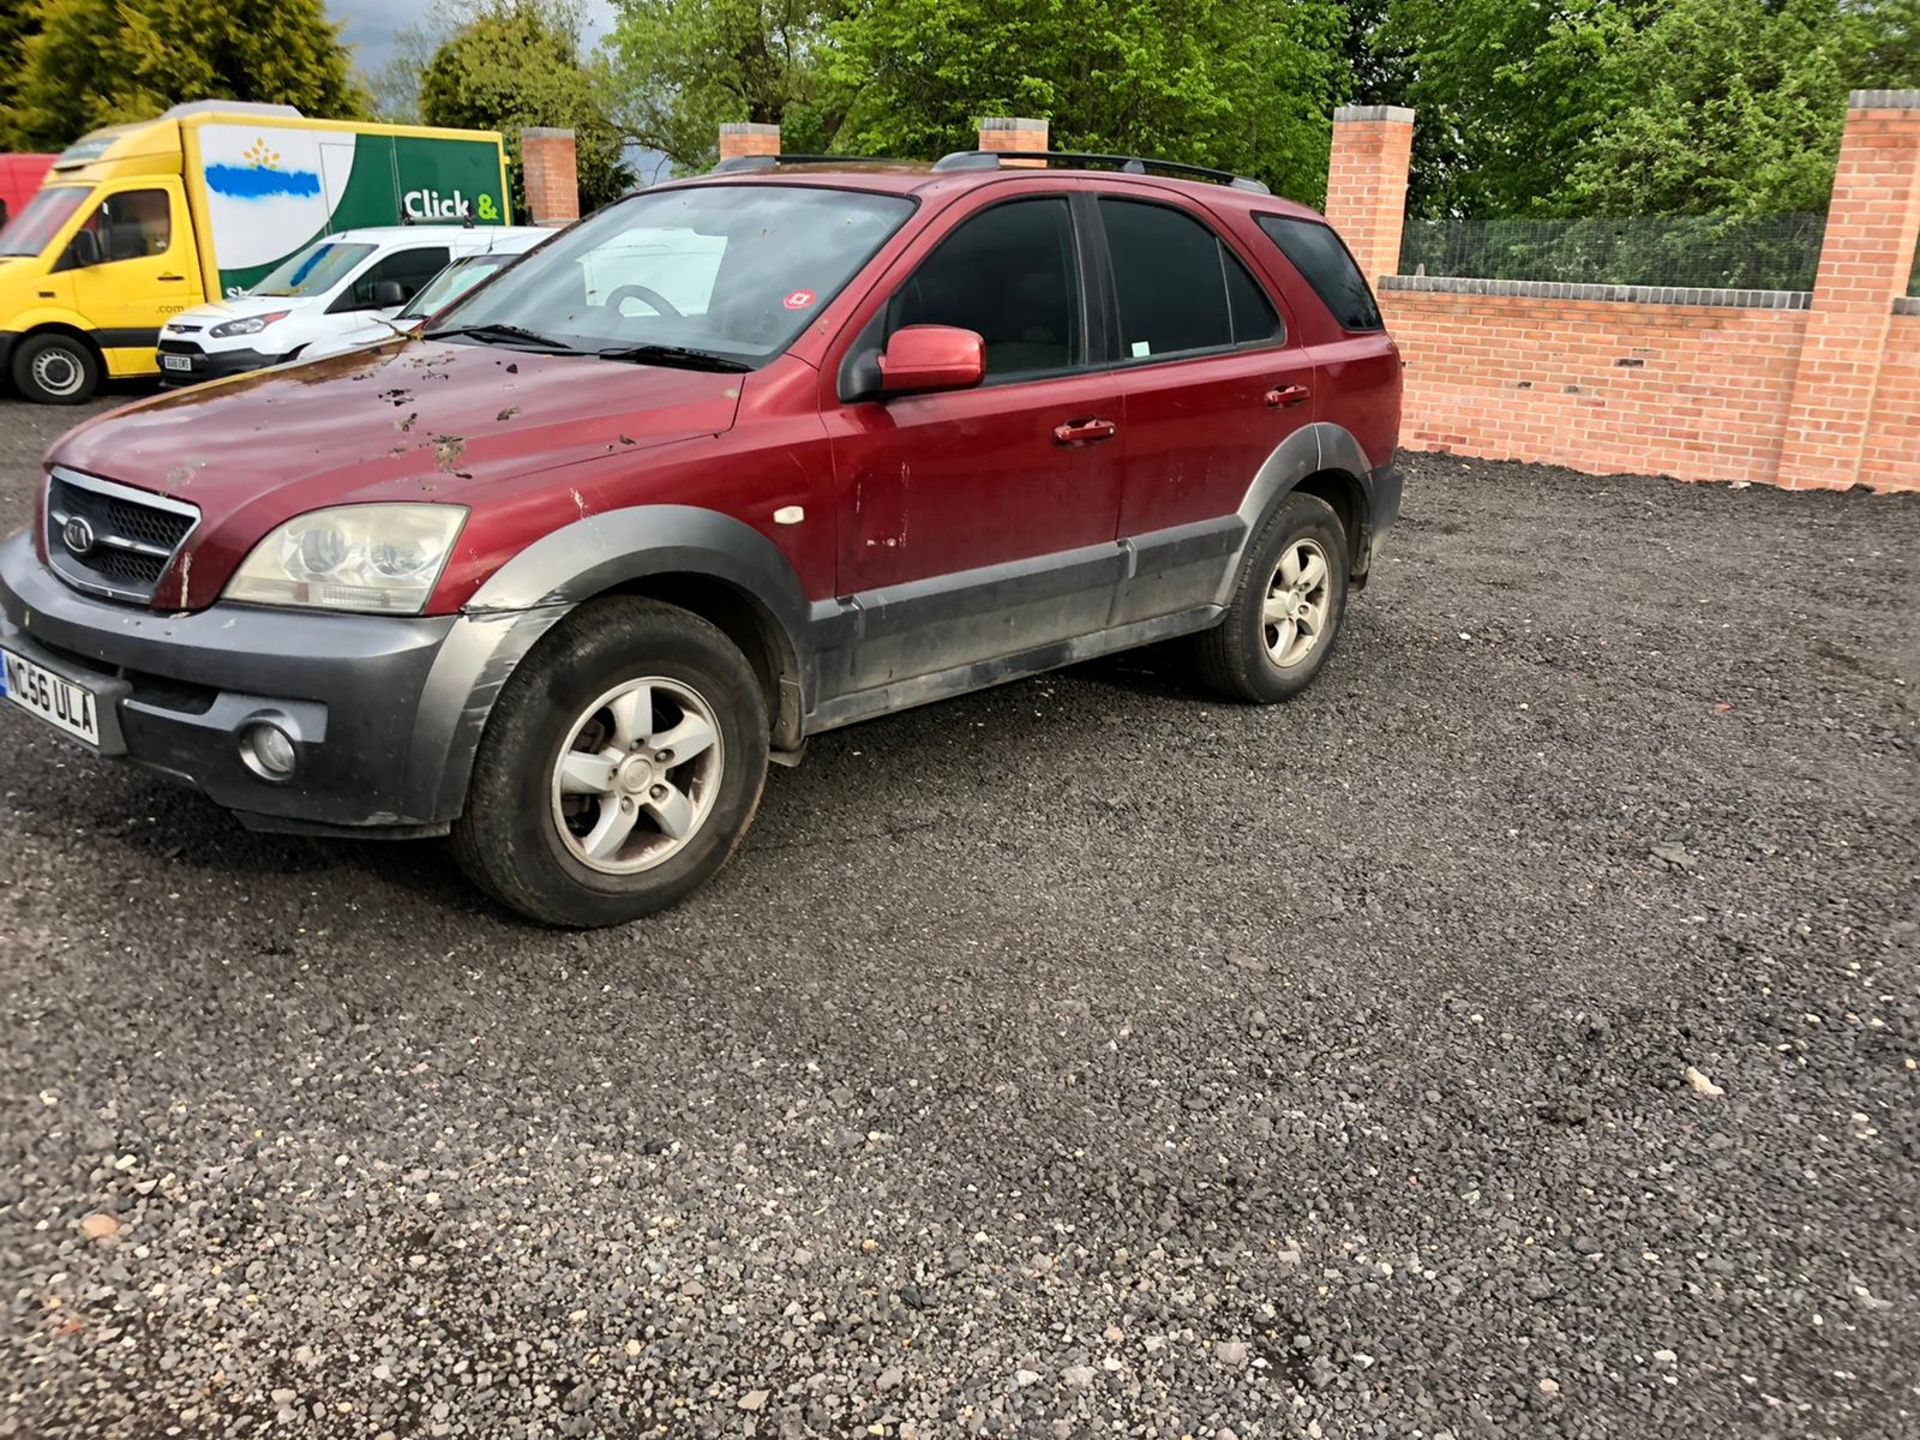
(132, 265)
(1211, 382)
(979, 524)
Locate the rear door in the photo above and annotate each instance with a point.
(979, 523)
(1212, 380)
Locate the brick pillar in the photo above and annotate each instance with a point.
(1865, 261)
(550, 173)
(743, 137)
(1367, 183)
(1007, 133)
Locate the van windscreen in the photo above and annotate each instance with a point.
(313, 271)
(33, 229)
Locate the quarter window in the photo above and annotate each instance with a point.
(1318, 254)
(1178, 287)
(1010, 274)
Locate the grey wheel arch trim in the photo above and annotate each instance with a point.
(1308, 451)
(536, 589)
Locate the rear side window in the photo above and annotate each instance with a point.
(1179, 288)
(1318, 254)
(1008, 273)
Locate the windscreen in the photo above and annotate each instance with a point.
(33, 229)
(453, 282)
(313, 271)
(729, 271)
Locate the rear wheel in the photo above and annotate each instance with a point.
(1286, 609)
(621, 766)
(55, 369)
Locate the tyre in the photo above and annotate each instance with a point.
(55, 369)
(1286, 609)
(620, 768)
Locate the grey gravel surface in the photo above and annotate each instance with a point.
(1515, 1036)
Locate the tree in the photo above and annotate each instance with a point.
(99, 62)
(515, 63)
(1247, 87)
(685, 66)
(1635, 106)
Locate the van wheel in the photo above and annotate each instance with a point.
(1286, 609)
(621, 766)
(55, 370)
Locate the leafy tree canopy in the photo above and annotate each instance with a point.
(515, 63)
(88, 63)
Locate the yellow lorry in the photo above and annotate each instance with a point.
(139, 222)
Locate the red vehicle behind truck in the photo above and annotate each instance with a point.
(20, 176)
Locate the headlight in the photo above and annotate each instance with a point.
(354, 557)
(252, 325)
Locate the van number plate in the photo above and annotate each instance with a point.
(55, 699)
(176, 362)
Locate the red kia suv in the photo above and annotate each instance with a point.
(735, 461)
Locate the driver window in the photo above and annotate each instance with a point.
(1010, 274)
(412, 269)
(130, 225)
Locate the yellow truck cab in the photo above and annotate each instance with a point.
(139, 222)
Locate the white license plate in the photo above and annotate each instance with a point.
(55, 699)
(176, 362)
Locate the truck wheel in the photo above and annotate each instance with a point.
(55, 370)
(1286, 609)
(620, 768)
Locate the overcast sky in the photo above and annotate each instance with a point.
(370, 25)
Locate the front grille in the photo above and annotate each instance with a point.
(133, 535)
(180, 347)
(176, 328)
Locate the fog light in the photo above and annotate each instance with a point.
(268, 750)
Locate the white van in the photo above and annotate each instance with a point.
(333, 285)
(448, 286)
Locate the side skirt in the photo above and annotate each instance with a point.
(959, 680)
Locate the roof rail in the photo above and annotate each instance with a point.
(1126, 164)
(734, 164)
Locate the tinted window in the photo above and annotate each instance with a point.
(1010, 274)
(410, 269)
(1178, 287)
(132, 224)
(1318, 254)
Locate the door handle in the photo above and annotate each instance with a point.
(1282, 396)
(1084, 432)
(170, 277)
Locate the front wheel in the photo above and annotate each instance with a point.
(55, 370)
(1286, 608)
(621, 766)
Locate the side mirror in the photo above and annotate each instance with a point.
(932, 357)
(389, 295)
(83, 250)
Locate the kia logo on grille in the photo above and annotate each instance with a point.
(77, 534)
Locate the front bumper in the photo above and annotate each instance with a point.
(352, 690)
(206, 365)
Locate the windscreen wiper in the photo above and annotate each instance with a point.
(513, 334)
(681, 355)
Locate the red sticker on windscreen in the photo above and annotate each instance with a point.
(799, 300)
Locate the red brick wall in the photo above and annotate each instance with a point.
(551, 175)
(1819, 390)
(1892, 460)
(739, 138)
(1698, 392)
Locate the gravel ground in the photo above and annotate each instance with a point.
(1078, 1058)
